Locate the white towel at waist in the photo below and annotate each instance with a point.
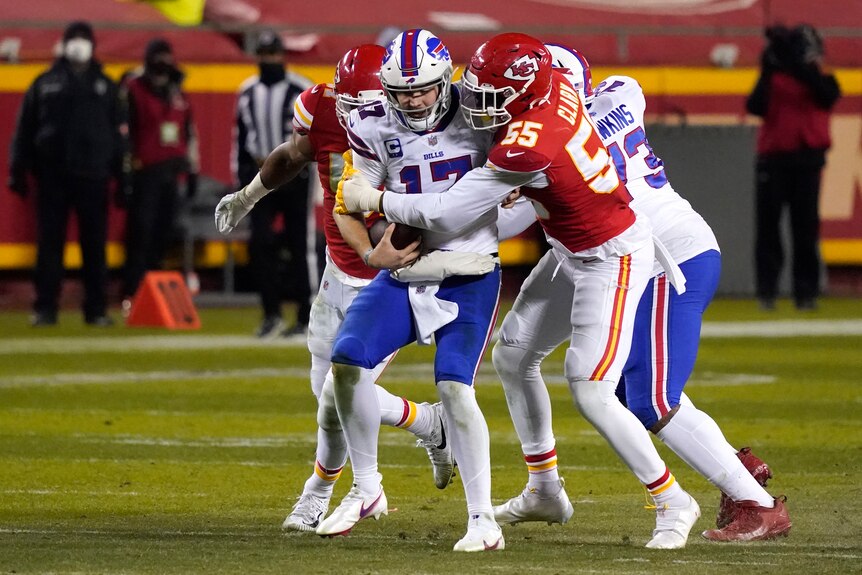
(430, 313)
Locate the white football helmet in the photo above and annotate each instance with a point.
(575, 68)
(417, 60)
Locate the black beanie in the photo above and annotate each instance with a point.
(155, 47)
(78, 29)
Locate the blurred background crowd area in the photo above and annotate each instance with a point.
(697, 61)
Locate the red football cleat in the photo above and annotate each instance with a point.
(761, 473)
(754, 523)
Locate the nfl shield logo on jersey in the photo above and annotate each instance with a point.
(432, 140)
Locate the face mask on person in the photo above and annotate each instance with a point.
(162, 73)
(78, 50)
(271, 73)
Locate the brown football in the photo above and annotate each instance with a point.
(402, 236)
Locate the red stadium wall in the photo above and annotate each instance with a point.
(695, 95)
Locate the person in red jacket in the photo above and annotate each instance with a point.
(794, 97)
(164, 146)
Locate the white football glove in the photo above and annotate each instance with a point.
(359, 195)
(234, 207)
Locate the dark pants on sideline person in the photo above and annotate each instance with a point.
(791, 180)
(150, 225)
(278, 249)
(58, 194)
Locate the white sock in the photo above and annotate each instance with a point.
(468, 433)
(697, 439)
(666, 491)
(359, 414)
(331, 457)
(530, 408)
(417, 418)
(391, 407)
(331, 446)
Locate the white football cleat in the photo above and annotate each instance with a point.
(531, 506)
(307, 513)
(439, 449)
(353, 508)
(483, 534)
(672, 525)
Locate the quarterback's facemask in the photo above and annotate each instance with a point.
(417, 61)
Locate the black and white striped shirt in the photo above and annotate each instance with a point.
(264, 119)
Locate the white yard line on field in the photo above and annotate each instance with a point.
(186, 342)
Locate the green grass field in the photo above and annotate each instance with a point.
(144, 451)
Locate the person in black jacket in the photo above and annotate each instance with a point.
(279, 258)
(795, 98)
(71, 137)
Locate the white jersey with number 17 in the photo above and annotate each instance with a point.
(618, 112)
(429, 162)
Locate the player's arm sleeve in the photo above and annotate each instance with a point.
(513, 221)
(303, 109)
(480, 190)
(373, 170)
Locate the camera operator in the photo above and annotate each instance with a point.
(794, 97)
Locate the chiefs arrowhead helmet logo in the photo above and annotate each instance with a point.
(524, 68)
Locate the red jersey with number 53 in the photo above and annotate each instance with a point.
(577, 193)
(314, 116)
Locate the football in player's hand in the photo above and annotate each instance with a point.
(402, 236)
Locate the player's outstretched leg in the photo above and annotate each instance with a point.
(331, 454)
(468, 433)
(676, 510)
(746, 512)
(359, 414)
(544, 498)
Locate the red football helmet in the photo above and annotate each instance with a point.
(357, 79)
(508, 75)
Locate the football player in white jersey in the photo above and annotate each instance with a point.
(584, 291)
(667, 324)
(319, 136)
(418, 142)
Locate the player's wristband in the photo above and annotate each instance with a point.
(367, 255)
(380, 204)
(255, 190)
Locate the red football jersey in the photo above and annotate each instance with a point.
(314, 116)
(584, 204)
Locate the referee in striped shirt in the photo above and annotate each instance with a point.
(280, 249)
